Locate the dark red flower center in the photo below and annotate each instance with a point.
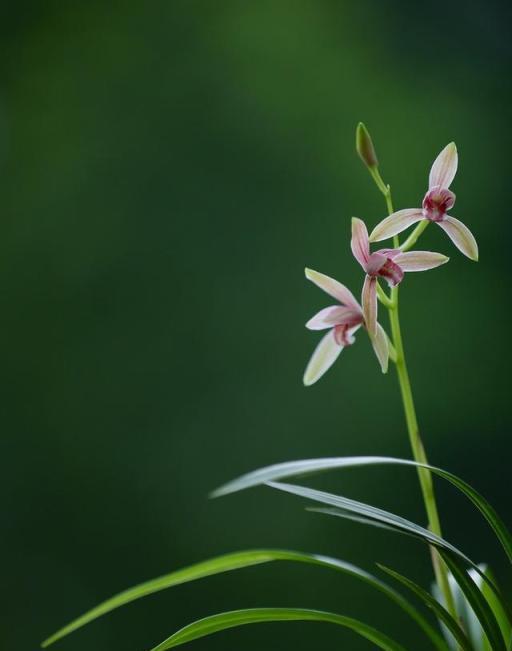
(392, 272)
(436, 204)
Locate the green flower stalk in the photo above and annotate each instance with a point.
(435, 205)
(390, 265)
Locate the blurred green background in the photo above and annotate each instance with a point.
(167, 169)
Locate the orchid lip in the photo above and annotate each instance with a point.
(343, 334)
(381, 264)
(391, 272)
(437, 202)
(375, 263)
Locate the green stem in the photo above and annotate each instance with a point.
(413, 237)
(384, 298)
(374, 171)
(383, 187)
(424, 475)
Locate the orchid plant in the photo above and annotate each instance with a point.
(465, 609)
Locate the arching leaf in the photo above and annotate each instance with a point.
(223, 621)
(280, 471)
(476, 599)
(239, 560)
(439, 610)
(366, 511)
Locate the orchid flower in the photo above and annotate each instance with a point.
(343, 321)
(389, 264)
(436, 203)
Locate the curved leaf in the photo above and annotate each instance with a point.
(486, 578)
(285, 470)
(239, 560)
(498, 610)
(439, 610)
(373, 513)
(234, 618)
(477, 601)
(467, 616)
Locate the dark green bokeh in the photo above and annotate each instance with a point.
(167, 171)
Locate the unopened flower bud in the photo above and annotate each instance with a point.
(364, 146)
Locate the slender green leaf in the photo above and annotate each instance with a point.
(476, 599)
(289, 469)
(465, 613)
(279, 471)
(480, 574)
(439, 610)
(498, 610)
(346, 515)
(235, 561)
(234, 618)
(373, 513)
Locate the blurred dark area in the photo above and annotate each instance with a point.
(167, 170)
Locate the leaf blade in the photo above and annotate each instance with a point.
(289, 469)
(434, 605)
(223, 621)
(372, 512)
(235, 561)
(498, 610)
(476, 599)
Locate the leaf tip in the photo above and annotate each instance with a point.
(217, 492)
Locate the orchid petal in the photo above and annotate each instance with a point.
(333, 288)
(360, 244)
(396, 223)
(333, 315)
(369, 302)
(381, 348)
(444, 167)
(324, 356)
(375, 262)
(389, 253)
(461, 236)
(420, 260)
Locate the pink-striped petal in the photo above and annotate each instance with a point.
(334, 315)
(333, 288)
(324, 356)
(360, 244)
(381, 348)
(388, 253)
(396, 223)
(461, 236)
(420, 260)
(444, 167)
(369, 303)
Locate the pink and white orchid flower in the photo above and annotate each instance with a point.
(436, 203)
(343, 321)
(389, 264)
